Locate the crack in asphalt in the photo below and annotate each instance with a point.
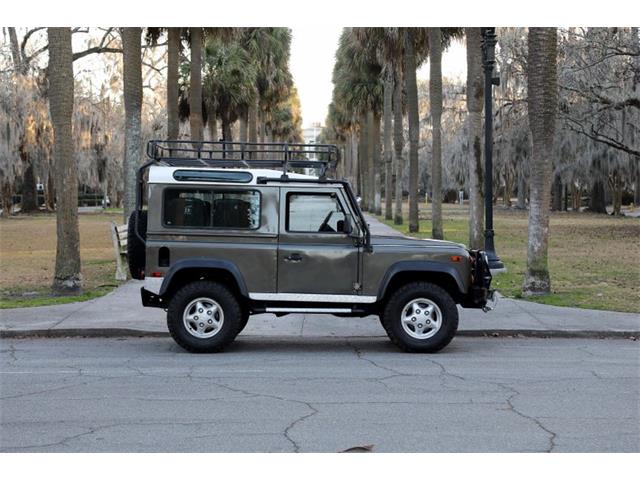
(514, 393)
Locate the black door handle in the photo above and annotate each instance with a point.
(294, 257)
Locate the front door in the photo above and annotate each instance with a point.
(315, 256)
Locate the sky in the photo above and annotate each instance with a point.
(313, 55)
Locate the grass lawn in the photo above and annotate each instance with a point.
(27, 258)
(594, 260)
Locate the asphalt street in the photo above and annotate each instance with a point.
(319, 394)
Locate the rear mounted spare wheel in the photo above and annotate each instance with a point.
(136, 251)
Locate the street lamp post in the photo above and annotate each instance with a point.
(488, 63)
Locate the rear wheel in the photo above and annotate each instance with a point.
(204, 317)
(420, 317)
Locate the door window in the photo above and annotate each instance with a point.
(314, 213)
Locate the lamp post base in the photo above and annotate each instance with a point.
(495, 264)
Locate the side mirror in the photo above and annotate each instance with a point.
(347, 225)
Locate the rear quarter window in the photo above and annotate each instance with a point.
(211, 208)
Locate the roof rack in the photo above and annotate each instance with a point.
(189, 153)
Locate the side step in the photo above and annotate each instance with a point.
(307, 310)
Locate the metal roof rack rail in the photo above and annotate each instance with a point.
(287, 156)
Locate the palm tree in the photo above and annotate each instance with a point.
(435, 102)
(398, 142)
(542, 84)
(475, 93)
(414, 125)
(173, 66)
(230, 79)
(358, 87)
(388, 154)
(67, 276)
(387, 46)
(439, 39)
(269, 49)
(132, 82)
(195, 85)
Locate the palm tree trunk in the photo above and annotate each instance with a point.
(388, 154)
(475, 95)
(212, 124)
(67, 277)
(244, 126)
(542, 83)
(414, 128)
(370, 163)
(253, 122)
(376, 165)
(363, 162)
(398, 145)
(195, 90)
(132, 80)
(435, 100)
(173, 64)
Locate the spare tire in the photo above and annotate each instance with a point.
(136, 251)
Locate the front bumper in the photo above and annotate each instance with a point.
(479, 291)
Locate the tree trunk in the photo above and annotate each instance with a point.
(244, 126)
(435, 100)
(388, 153)
(212, 125)
(227, 136)
(354, 159)
(398, 145)
(51, 192)
(173, 64)
(195, 86)
(414, 128)
(29, 188)
(522, 190)
(18, 61)
(475, 96)
(363, 152)
(542, 83)
(253, 122)
(377, 165)
(597, 202)
(132, 80)
(371, 165)
(556, 197)
(67, 277)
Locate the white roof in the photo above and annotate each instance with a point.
(163, 174)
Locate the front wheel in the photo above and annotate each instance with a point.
(420, 317)
(204, 317)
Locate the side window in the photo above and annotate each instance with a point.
(314, 212)
(209, 208)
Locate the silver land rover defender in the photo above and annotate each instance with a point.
(225, 230)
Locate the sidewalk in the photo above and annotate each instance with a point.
(121, 313)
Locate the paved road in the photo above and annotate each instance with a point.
(319, 394)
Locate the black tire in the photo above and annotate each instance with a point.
(244, 320)
(136, 251)
(392, 317)
(231, 309)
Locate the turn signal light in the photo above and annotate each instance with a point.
(156, 274)
(456, 258)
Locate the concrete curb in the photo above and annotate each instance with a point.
(127, 332)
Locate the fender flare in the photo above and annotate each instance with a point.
(204, 264)
(427, 266)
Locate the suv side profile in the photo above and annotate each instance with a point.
(230, 231)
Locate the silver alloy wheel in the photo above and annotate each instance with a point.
(421, 318)
(203, 317)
